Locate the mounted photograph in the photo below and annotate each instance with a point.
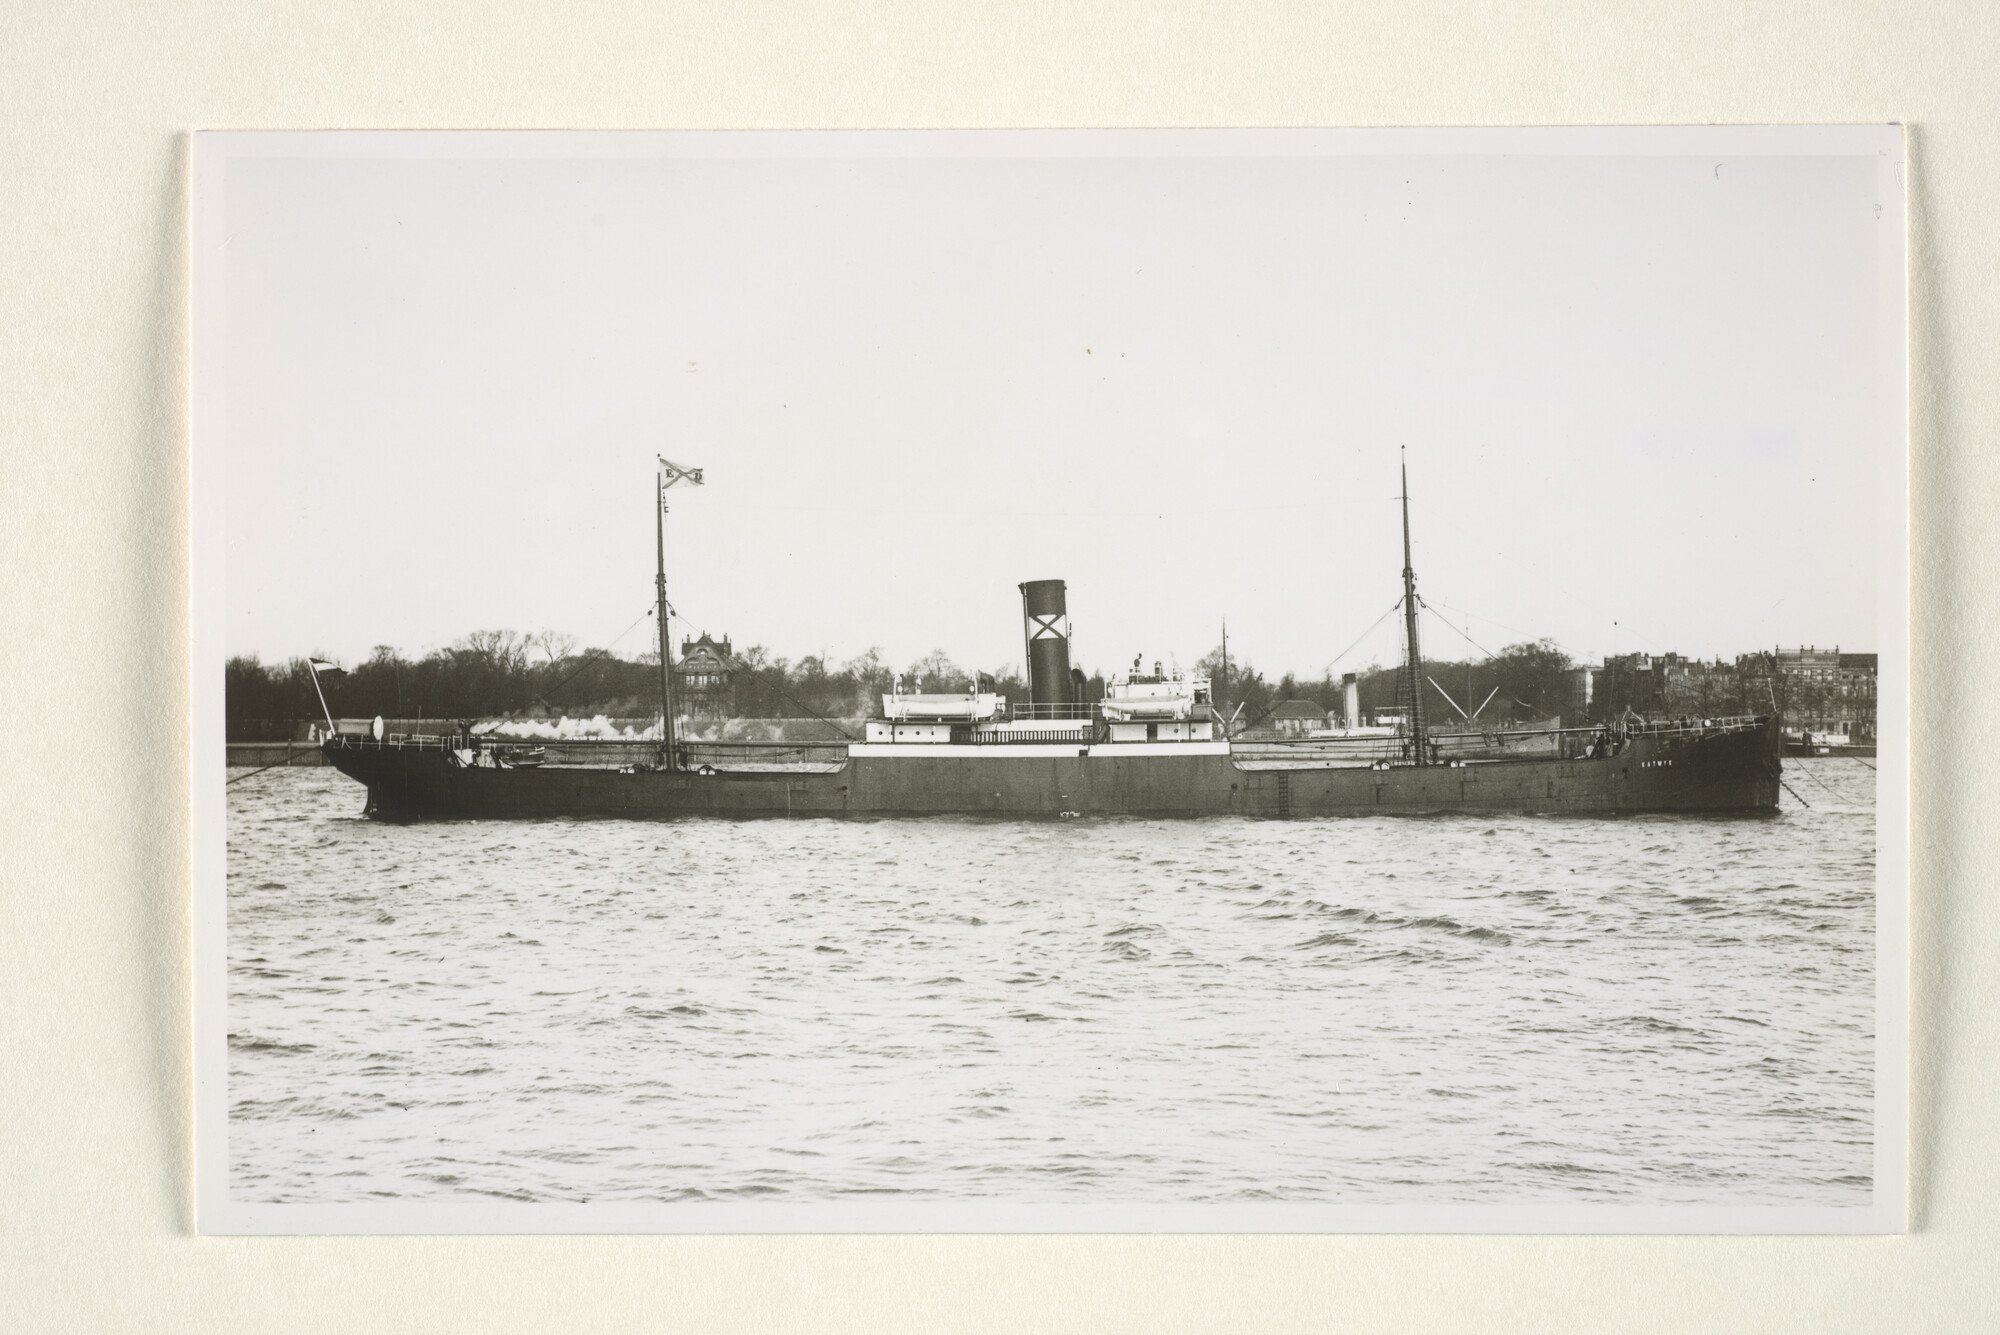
(1205, 681)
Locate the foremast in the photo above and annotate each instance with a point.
(1412, 655)
(669, 474)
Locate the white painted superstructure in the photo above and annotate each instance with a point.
(1161, 706)
(1139, 710)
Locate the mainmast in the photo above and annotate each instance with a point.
(670, 473)
(1410, 627)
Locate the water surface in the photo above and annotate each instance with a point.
(1646, 1010)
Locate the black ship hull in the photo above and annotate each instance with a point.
(1733, 770)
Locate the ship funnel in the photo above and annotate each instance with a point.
(1350, 702)
(1045, 620)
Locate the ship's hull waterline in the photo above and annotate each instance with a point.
(1733, 771)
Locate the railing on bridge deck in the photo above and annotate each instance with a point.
(1082, 711)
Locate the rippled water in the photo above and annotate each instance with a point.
(1371, 1010)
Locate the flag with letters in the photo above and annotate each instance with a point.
(671, 472)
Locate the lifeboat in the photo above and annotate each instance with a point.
(1137, 708)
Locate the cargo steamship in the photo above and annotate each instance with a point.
(1153, 746)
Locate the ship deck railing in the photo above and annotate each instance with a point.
(611, 752)
(1690, 724)
(1474, 746)
(762, 755)
(1634, 727)
(1087, 713)
(1081, 711)
(395, 741)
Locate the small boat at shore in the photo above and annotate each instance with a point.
(1806, 742)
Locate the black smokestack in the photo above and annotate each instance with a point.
(1045, 615)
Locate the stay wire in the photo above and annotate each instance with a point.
(1456, 631)
(597, 654)
(1328, 669)
(1359, 638)
(1539, 702)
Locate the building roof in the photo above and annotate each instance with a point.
(706, 648)
(1298, 709)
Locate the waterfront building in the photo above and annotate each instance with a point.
(1694, 688)
(705, 677)
(1823, 691)
(1635, 681)
(1827, 691)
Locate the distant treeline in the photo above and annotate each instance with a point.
(492, 674)
(499, 673)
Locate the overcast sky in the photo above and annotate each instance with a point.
(1642, 398)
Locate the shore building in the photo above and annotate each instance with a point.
(705, 677)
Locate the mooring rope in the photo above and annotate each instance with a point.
(1821, 782)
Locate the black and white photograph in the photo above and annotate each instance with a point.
(983, 681)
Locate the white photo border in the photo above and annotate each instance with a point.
(218, 1213)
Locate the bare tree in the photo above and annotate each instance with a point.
(552, 643)
(935, 673)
